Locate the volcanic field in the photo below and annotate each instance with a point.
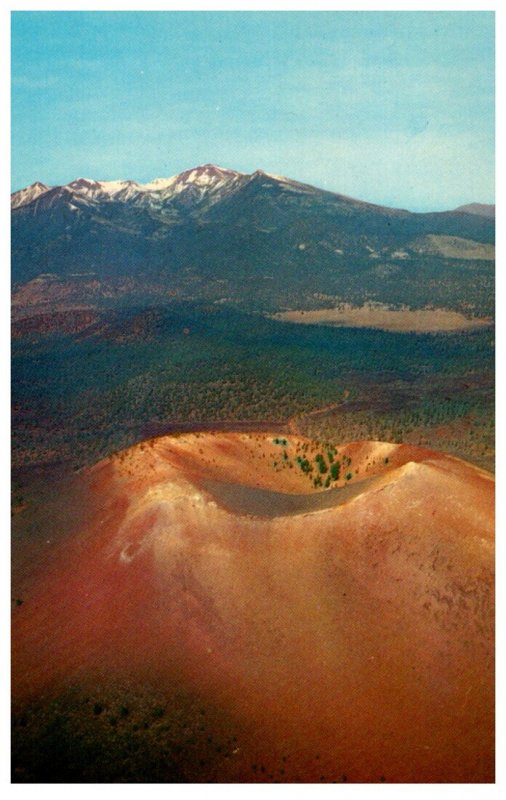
(249, 607)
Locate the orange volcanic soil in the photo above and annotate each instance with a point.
(349, 630)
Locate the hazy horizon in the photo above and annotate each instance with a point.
(395, 108)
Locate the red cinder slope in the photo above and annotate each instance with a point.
(356, 625)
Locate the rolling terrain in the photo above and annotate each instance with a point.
(294, 581)
(166, 302)
(207, 612)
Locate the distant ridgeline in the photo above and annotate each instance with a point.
(261, 241)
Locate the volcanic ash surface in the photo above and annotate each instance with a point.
(341, 617)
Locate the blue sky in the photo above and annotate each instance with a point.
(392, 107)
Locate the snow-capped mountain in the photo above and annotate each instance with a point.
(195, 189)
(206, 177)
(203, 182)
(25, 196)
(217, 233)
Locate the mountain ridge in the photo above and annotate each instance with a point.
(258, 239)
(204, 175)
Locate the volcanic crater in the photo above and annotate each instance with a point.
(329, 609)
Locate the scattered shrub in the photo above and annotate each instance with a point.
(335, 469)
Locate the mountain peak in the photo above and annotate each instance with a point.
(25, 196)
(81, 183)
(216, 168)
(481, 209)
(206, 172)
